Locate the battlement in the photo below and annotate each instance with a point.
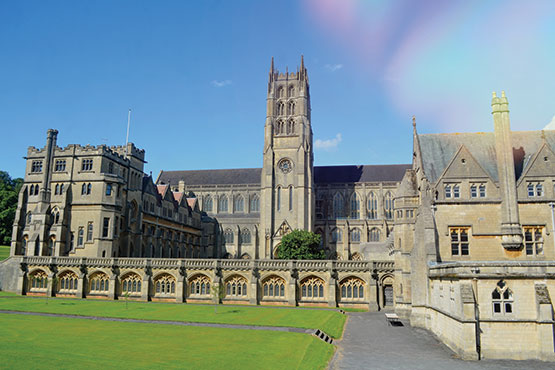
(300, 75)
(117, 151)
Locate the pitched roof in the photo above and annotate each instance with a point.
(438, 150)
(322, 175)
(366, 173)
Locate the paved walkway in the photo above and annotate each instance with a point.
(164, 322)
(370, 343)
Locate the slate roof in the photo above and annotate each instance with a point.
(322, 175)
(438, 150)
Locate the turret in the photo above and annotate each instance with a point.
(510, 225)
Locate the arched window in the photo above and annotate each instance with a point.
(291, 198)
(239, 204)
(448, 191)
(291, 107)
(99, 283)
(80, 235)
(291, 91)
(32, 189)
(200, 286)
(281, 92)
(482, 190)
(355, 206)
(24, 242)
(372, 206)
(164, 285)
(67, 282)
(502, 299)
(29, 217)
(539, 190)
(273, 287)
(61, 188)
(374, 234)
(245, 236)
(228, 236)
(278, 198)
(236, 286)
(290, 127)
(57, 189)
(89, 187)
(338, 206)
(84, 189)
(355, 235)
(255, 204)
(38, 281)
(280, 108)
(50, 246)
(131, 284)
(352, 288)
(90, 232)
(222, 204)
(388, 205)
(312, 288)
(336, 236)
(207, 203)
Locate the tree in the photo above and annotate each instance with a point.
(218, 293)
(9, 190)
(301, 245)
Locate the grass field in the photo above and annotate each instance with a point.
(329, 321)
(4, 252)
(32, 342)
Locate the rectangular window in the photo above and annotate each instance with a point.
(90, 231)
(80, 235)
(482, 190)
(459, 241)
(110, 167)
(109, 189)
(105, 227)
(456, 191)
(60, 165)
(87, 165)
(473, 191)
(533, 240)
(36, 166)
(448, 192)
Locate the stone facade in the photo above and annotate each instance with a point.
(460, 242)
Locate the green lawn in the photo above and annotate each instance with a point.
(4, 252)
(32, 342)
(329, 321)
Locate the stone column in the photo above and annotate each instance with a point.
(373, 298)
(51, 287)
(81, 281)
(216, 282)
(332, 286)
(253, 296)
(292, 288)
(112, 287)
(145, 286)
(180, 288)
(21, 279)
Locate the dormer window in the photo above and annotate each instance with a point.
(448, 191)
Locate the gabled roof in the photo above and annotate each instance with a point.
(438, 150)
(234, 176)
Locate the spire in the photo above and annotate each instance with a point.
(414, 123)
(271, 78)
(302, 62)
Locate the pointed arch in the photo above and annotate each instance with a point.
(354, 206)
(355, 235)
(245, 236)
(290, 127)
(255, 203)
(239, 204)
(228, 236)
(374, 234)
(222, 203)
(207, 203)
(338, 206)
(388, 205)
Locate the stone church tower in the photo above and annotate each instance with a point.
(287, 182)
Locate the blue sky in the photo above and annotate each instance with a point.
(195, 74)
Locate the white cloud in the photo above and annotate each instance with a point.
(223, 83)
(550, 125)
(333, 67)
(328, 144)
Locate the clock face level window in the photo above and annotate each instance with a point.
(285, 165)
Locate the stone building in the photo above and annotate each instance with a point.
(460, 242)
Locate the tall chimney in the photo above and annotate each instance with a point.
(51, 136)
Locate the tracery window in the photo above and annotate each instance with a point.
(338, 206)
(68, 282)
(222, 204)
(245, 236)
(312, 288)
(388, 203)
(236, 286)
(200, 285)
(55, 215)
(39, 280)
(355, 235)
(207, 204)
(374, 234)
(280, 108)
(131, 284)
(239, 204)
(228, 236)
(99, 283)
(164, 285)
(502, 299)
(533, 240)
(255, 204)
(273, 287)
(355, 205)
(290, 127)
(336, 236)
(352, 289)
(291, 107)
